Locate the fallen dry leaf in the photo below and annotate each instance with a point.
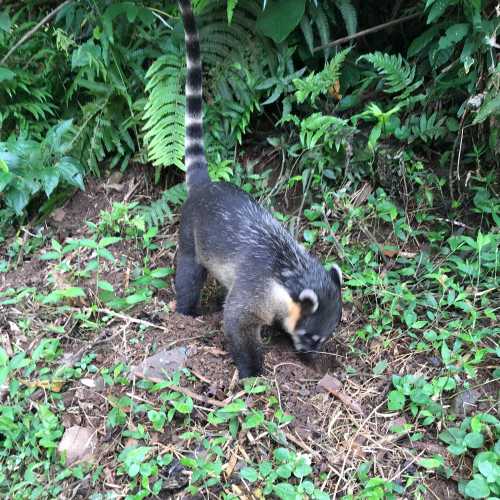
(229, 466)
(334, 387)
(6, 344)
(114, 187)
(49, 385)
(391, 252)
(58, 214)
(4, 390)
(214, 350)
(362, 194)
(97, 383)
(161, 364)
(78, 444)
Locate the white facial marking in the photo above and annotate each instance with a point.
(339, 272)
(308, 294)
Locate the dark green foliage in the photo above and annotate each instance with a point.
(29, 167)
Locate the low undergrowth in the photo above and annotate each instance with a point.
(421, 292)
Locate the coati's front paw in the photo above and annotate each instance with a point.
(250, 366)
(187, 310)
(249, 371)
(308, 358)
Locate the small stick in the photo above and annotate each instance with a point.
(359, 34)
(33, 30)
(199, 376)
(234, 396)
(130, 319)
(301, 444)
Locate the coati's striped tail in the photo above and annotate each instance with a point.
(196, 162)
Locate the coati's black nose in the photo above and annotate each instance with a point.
(311, 343)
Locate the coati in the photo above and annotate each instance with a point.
(268, 276)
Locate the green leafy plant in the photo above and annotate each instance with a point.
(420, 395)
(485, 481)
(286, 476)
(29, 168)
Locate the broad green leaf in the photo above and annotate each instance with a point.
(284, 471)
(453, 35)
(474, 440)
(486, 462)
(438, 8)
(5, 23)
(49, 178)
(265, 468)
(282, 454)
(284, 491)
(6, 74)
(49, 256)
(396, 401)
(302, 468)
(348, 12)
(432, 463)
(236, 406)
(249, 473)
(71, 171)
(280, 18)
(106, 285)
(109, 240)
(17, 199)
(255, 419)
(5, 177)
(477, 488)
(410, 317)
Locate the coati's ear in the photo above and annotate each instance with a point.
(336, 274)
(308, 301)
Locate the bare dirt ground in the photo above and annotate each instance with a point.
(339, 430)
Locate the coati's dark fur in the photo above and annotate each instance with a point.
(268, 276)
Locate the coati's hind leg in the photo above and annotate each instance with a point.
(242, 329)
(189, 280)
(190, 276)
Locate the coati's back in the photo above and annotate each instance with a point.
(269, 277)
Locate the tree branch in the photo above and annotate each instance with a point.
(33, 30)
(359, 34)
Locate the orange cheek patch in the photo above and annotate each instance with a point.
(293, 316)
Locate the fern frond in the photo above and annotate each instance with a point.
(397, 73)
(425, 128)
(164, 110)
(231, 57)
(330, 130)
(316, 84)
(158, 211)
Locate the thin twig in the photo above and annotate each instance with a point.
(130, 319)
(296, 441)
(359, 34)
(33, 30)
